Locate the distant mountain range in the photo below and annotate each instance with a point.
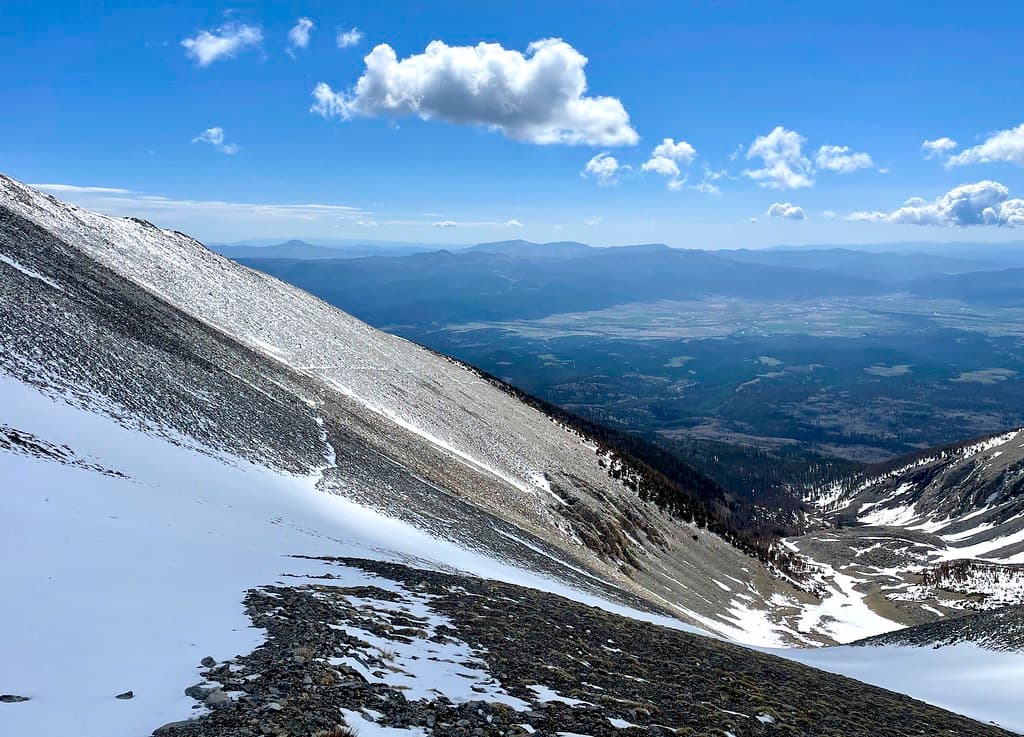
(518, 279)
(295, 249)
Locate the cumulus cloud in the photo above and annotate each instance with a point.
(786, 210)
(513, 223)
(348, 39)
(981, 203)
(938, 147)
(215, 137)
(604, 168)
(753, 221)
(841, 160)
(591, 222)
(667, 158)
(223, 43)
(784, 164)
(445, 224)
(1007, 146)
(536, 97)
(298, 36)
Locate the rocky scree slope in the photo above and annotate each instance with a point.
(168, 337)
(385, 645)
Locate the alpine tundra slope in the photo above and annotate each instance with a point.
(175, 429)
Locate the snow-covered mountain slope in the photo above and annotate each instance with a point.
(971, 497)
(184, 342)
(971, 664)
(1000, 629)
(964, 678)
(922, 538)
(124, 578)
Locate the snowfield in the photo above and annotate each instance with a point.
(114, 584)
(964, 678)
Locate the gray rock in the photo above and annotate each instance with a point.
(10, 698)
(217, 699)
(208, 662)
(199, 692)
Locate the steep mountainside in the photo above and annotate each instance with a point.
(971, 496)
(927, 536)
(179, 434)
(183, 339)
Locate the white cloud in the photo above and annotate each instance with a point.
(215, 137)
(224, 42)
(661, 165)
(591, 222)
(981, 203)
(707, 188)
(537, 97)
(938, 147)
(785, 166)
(1005, 146)
(786, 210)
(75, 189)
(298, 36)
(220, 221)
(841, 160)
(666, 159)
(829, 214)
(226, 218)
(510, 223)
(348, 39)
(753, 221)
(707, 185)
(604, 168)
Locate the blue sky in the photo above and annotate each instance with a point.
(204, 119)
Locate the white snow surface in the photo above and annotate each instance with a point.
(420, 667)
(964, 678)
(114, 584)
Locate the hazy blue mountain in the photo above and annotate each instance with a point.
(296, 249)
(1004, 288)
(560, 250)
(478, 284)
(885, 266)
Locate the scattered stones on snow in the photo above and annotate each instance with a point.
(343, 658)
